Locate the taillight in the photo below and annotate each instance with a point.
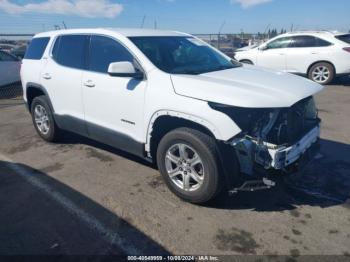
(347, 49)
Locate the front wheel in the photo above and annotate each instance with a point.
(321, 73)
(188, 162)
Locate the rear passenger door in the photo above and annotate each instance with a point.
(113, 105)
(304, 51)
(61, 78)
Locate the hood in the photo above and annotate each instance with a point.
(246, 86)
(247, 48)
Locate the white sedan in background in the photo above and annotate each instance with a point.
(9, 69)
(320, 56)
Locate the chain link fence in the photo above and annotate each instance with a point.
(11, 91)
(229, 43)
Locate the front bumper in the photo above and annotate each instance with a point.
(252, 153)
(285, 156)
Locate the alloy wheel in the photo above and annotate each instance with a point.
(184, 167)
(321, 74)
(42, 120)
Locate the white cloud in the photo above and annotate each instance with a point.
(250, 3)
(84, 8)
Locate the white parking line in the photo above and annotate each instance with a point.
(108, 235)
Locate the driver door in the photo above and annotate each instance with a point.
(113, 105)
(274, 55)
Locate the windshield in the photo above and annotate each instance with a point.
(182, 55)
(344, 38)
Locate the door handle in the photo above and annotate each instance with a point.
(47, 76)
(89, 83)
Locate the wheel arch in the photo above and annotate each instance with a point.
(164, 121)
(34, 90)
(321, 61)
(247, 60)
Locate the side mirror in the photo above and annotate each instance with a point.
(263, 48)
(124, 69)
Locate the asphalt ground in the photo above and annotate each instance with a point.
(83, 197)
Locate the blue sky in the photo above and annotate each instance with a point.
(193, 16)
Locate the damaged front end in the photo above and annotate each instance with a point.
(274, 139)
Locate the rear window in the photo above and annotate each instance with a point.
(308, 41)
(69, 50)
(344, 38)
(36, 48)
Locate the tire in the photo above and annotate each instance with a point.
(321, 73)
(206, 172)
(248, 62)
(43, 120)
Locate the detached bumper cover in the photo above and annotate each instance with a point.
(252, 153)
(283, 157)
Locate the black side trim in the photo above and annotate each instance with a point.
(116, 139)
(71, 124)
(101, 134)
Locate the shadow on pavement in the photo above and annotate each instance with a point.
(33, 220)
(325, 183)
(73, 139)
(345, 81)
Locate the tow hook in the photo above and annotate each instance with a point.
(253, 185)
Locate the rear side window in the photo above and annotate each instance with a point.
(103, 51)
(308, 41)
(36, 48)
(344, 38)
(69, 50)
(7, 57)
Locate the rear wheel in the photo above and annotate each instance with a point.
(188, 162)
(43, 120)
(322, 73)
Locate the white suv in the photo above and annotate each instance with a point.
(318, 55)
(207, 121)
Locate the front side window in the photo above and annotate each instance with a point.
(69, 50)
(283, 42)
(36, 48)
(103, 51)
(182, 55)
(7, 57)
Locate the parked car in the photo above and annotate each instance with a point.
(9, 69)
(320, 56)
(208, 122)
(19, 51)
(6, 47)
